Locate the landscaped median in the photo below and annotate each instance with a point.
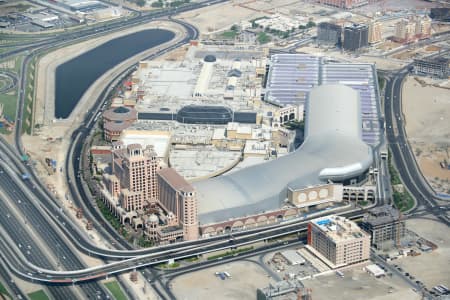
(115, 290)
(38, 295)
(402, 198)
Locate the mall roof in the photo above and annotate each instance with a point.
(333, 150)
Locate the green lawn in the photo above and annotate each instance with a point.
(263, 38)
(403, 201)
(229, 34)
(115, 289)
(4, 292)
(39, 295)
(9, 102)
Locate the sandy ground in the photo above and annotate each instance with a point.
(222, 16)
(430, 268)
(427, 113)
(199, 285)
(358, 284)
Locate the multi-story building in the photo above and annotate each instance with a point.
(345, 4)
(133, 176)
(329, 33)
(423, 27)
(178, 196)
(383, 224)
(374, 32)
(356, 37)
(117, 119)
(405, 31)
(434, 67)
(338, 241)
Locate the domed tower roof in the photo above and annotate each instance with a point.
(153, 218)
(210, 58)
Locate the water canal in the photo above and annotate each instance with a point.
(75, 76)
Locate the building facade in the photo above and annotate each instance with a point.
(405, 31)
(338, 241)
(375, 33)
(133, 176)
(329, 33)
(434, 67)
(117, 119)
(345, 4)
(423, 27)
(356, 37)
(384, 224)
(179, 197)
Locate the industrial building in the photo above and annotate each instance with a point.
(356, 37)
(337, 241)
(329, 33)
(435, 67)
(384, 224)
(333, 150)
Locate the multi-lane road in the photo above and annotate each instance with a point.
(46, 221)
(401, 152)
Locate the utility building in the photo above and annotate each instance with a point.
(383, 224)
(356, 37)
(338, 241)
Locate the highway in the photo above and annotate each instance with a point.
(70, 261)
(401, 152)
(52, 225)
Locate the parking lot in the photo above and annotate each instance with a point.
(246, 278)
(358, 284)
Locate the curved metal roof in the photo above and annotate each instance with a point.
(333, 149)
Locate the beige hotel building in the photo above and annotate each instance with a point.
(338, 241)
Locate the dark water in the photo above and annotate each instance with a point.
(74, 77)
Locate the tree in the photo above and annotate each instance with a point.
(234, 28)
(310, 24)
(140, 2)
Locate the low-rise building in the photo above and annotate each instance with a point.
(116, 120)
(383, 224)
(338, 241)
(434, 67)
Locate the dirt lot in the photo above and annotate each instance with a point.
(247, 277)
(426, 111)
(430, 268)
(358, 284)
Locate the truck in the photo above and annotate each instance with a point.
(227, 275)
(25, 176)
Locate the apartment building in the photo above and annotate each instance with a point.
(338, 241)
(375, 33)
(383, 224)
